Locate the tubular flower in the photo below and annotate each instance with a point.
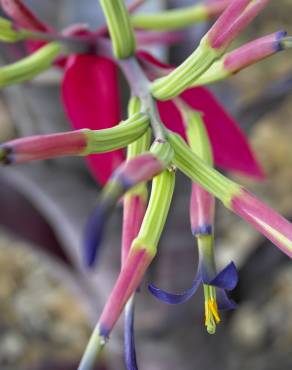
(79, 142)
(226, 280)
(130, 174)
(143, 250)
(212, 46)
(243, 57)
(202, 208)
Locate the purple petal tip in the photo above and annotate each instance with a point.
(203, 230)
(94, 231)
(279, 36)
(227, 278)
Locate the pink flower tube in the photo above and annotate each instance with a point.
(253, 52)
(234, 19)
(268, 222)
(202, 207)
(43, 147)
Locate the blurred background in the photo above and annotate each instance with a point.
(48, 303)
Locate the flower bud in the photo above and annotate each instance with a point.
(22, 15)
(268, 222)
(140, 256)
(212, 46)
(120, 28)
(242, 57)
(77, 143)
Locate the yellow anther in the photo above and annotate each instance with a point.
(214, 309)
(212, 317)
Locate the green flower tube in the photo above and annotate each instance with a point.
(10, 34)
(171, 19)
(185, 75)
(118, 136)
(198, 171)
(156, 214)
(141, 254)
(120, 28)
(30, 66)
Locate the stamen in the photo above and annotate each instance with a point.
(212, 317)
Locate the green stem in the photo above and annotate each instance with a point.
(171, 19)
(140, 86)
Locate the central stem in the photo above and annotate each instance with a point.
(140, 86)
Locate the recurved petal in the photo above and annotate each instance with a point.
(227, 278)
(91, 100)
(224, 302)
(171, 298)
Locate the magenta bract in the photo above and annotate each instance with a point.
(91, 100)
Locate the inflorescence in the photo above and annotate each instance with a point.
(173, 124)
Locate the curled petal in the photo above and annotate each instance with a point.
(91, 100)
(224, 302)
(227, 278)
(171, 298)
